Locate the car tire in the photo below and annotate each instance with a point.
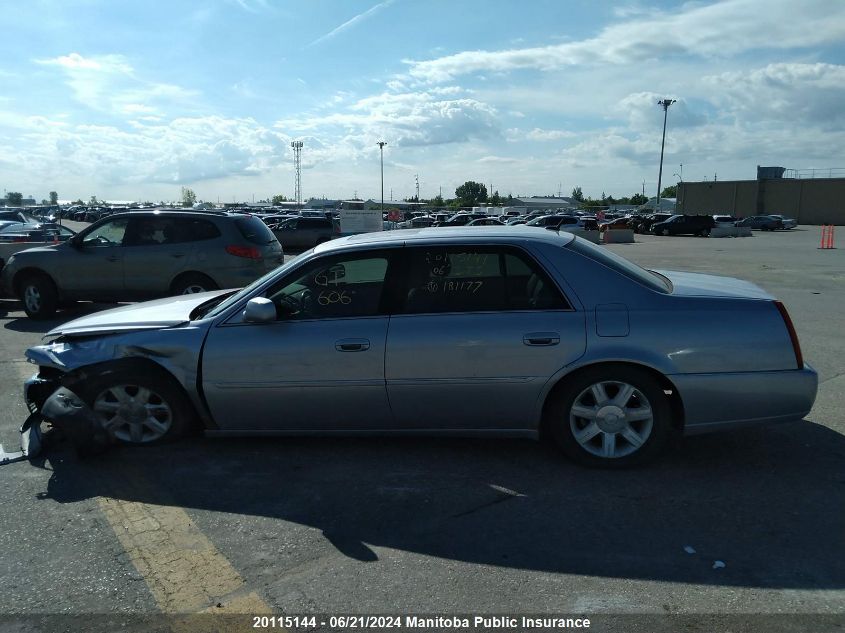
(192, 283)
(39, 296)
(138, 407)
(610, 439)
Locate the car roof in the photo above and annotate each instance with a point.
(501, 234)
(176, 213)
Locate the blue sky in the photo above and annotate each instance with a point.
(127, 100)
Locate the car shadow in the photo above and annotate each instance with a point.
(766, 502)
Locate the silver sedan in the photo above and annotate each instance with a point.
(507, 331)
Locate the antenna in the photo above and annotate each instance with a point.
(297, 164)
(417, 178)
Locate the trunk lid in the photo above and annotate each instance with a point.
(703, 285)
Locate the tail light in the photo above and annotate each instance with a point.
(796, 346)
(249, 252)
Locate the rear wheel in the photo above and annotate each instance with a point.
(610, 417)
(39, 296)
(138, 407)
(193, 283)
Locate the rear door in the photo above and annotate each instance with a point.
(158, 248)
(478, 333)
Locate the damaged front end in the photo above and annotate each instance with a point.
(58, 394)
(62, 409)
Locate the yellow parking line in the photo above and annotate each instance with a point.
(183, 569)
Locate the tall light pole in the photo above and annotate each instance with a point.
(297, 166)
(665, 103)
(381, 145)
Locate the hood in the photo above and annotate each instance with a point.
(150, 315)
(702, 285)
(47, 248)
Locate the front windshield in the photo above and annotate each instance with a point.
(233, 299)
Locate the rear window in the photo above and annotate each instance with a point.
(254, 230)
(621, 265)
(314, 223)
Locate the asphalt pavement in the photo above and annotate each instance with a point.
(748, 522)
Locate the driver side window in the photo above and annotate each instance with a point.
(109, 234)
(334, 287)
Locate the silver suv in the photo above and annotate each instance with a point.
(141, 255)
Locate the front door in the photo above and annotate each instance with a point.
(93, 268)
(319, 366)
(481, 331)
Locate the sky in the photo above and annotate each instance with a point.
(134, 100)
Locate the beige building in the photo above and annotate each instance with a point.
(809, 200)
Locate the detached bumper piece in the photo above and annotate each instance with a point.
(31, 441)
(67, 412)
(49, 402)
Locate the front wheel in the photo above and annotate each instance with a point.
(39, 296)
(610, 417)
(137, 407)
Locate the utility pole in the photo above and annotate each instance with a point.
(381, 145)
(644, 190)
(665, 103)
(417, 179)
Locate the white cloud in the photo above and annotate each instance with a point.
(109, 83)
(716, 30)
(538, 134)
(812, 94)
(406, 119)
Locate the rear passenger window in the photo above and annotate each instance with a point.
(313, 223)
(480, 279)
(193, 230)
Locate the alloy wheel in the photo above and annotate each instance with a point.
(32, 298)
(611, 419)
(133, 413)
(193, 289)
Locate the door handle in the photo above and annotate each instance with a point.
(541, 338)
(352, 345)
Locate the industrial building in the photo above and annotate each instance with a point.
(808, 199)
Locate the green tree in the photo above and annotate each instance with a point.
(189, 198)
(638, 198)
(54, 197)
(93, 201)
(577, 194)
(670, 192)
(78, 202)
(437, 201)
(14, 198)
(496, 199)
(279, 198)
(471, 193)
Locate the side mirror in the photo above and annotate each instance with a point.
(260, 310)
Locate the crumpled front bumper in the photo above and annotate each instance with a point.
(49, 401)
